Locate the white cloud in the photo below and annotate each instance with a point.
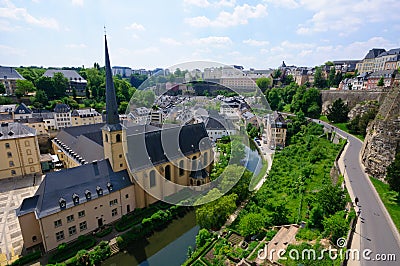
(8, 50)
(239, 16)
(284, 3)
(76, 46)
(10, 11)
(346, 16)
(77, 2)
(252, 42)
(216, 41)
(198, 3)
(135, 26)
(170, 41)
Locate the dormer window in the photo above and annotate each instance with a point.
(109, 186)
(75, 198)
(99, 191)
(63, 203)
(88, 194)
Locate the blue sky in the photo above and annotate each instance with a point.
(160, 33)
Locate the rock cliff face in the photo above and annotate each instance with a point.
(363, 108)
(383, 136)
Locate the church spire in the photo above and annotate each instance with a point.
(112, 117)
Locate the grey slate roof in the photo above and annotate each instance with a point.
(7, 108)
(277, 120)
(15, 130)
(86, 141)
(62, 108)
(373, 53)
(159, 146)
(22, 109)
(9, 72)
(65, 183)
(71, 75)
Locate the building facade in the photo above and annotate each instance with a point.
(19, 150)
(62, 115)
(76, 82)
(275, 130)
(87, 116)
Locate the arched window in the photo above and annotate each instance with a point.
(118, 137)
(181, 168)
(194, 163)
(205, 159)
(168, 172)
(152, 178)
(198, 182)
(106, 137)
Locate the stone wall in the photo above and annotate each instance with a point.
(383, 136)
(351, 97)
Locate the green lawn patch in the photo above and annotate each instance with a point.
(390, 199)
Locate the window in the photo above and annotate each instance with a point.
(28, 152)
(126, 196)
(118, 137)
(70, 218)
(9, 154)
(181, 166)
(34, 239)
(7, 145)
(60, 235)
(27, 143)
(114, 212)
(205, 161)
(11, 163)
(120, 156)
(194, 163)
(83, 226)
(32, 169)
(30, 160)
(168, 172)
(152, 178)
(13, 172)
(106, 137)
(81, 214)
(113, 202)
(72, 230)
(57, 223)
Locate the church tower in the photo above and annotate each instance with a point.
(112, 131)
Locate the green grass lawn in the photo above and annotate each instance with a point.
(341, 126)
(390, 199)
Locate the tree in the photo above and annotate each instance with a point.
(40, 100)
(274, 99)
(202, 237)
(380, 82)
(336, 226)
(263, 83)
(2, 88)
(61, 85)
(331, 199)
(251, 224)
(316, 217)
(338, 111)
(393, 173)
(319, 80)
(331, 77)
(23, 86)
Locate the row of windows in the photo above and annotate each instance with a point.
(11, 163)
(71, 231)
(31, 169)
(27, 144)
(70, 218)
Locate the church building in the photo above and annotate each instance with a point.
(108, 167)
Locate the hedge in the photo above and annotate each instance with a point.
(70, 250)
(28, 258)
(104, 232)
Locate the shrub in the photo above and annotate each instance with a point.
(104, 232)
(27, 258)
(69, 250)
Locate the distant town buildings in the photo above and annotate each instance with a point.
(86, 116)
(76, 82)
(275, 130)
(9, 77)
(62, 115)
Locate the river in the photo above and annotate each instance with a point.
(169, 246)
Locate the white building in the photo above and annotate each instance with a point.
(62, 115)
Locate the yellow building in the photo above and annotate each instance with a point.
(107, 166)
(19, 151)
(36, 123)
(87, 116)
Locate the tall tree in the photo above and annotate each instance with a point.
(319, 80)
(393, 173)
(263, 83)
(331, 77)
(2, 88)
(40, 100)
(338, 111)
(23, 86)
(61, 85)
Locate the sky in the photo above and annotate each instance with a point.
(161, 33)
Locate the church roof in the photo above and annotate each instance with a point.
(162, 145)
(78, 180)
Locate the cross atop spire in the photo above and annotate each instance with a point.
(112, 117)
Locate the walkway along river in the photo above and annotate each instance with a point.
(169, 246)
